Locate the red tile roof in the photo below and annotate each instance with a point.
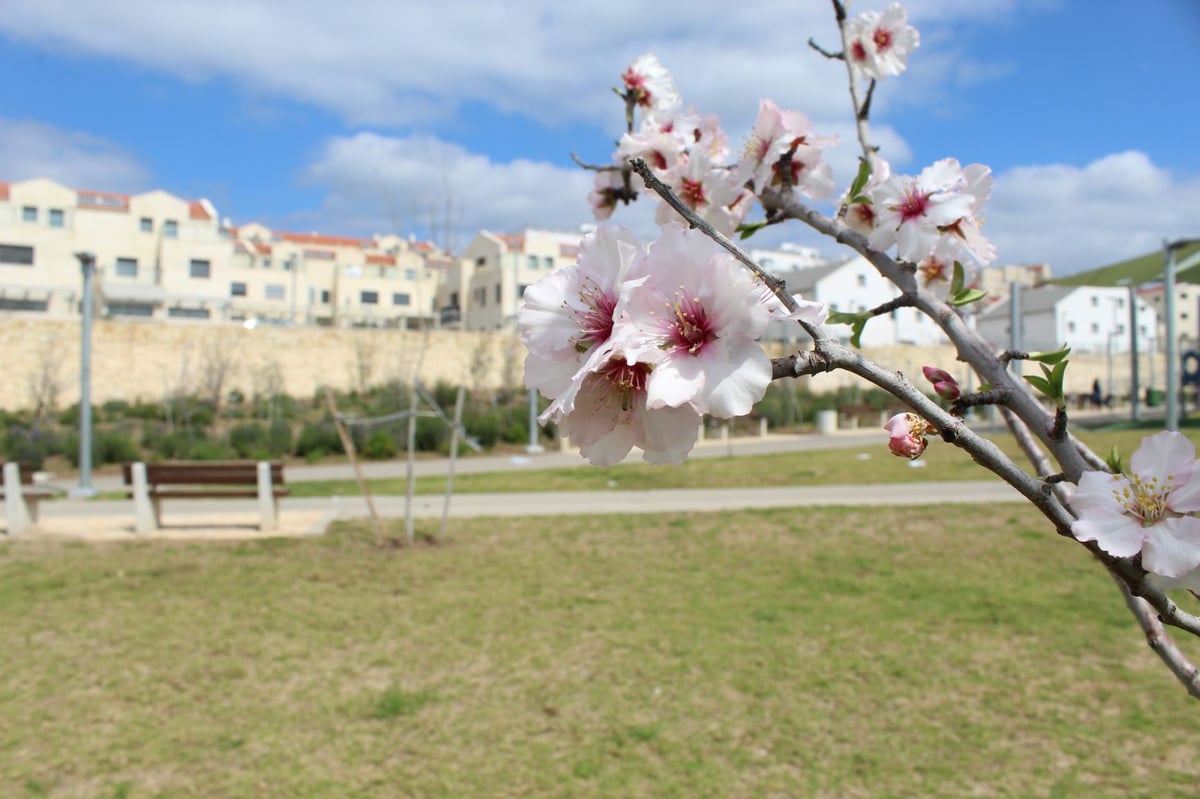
(3, 190)
(262, 248)
(316, 238)
(381, 258)
(102, 200)
(196, 210)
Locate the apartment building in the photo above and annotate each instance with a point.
(483, 288)
(1088, 318)
(162, 257)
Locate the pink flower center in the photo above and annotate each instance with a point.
(914, 204)
(691, 328)
(636, 84)
(595, 323)
(858, 52)
(883, 39)
(692, 193)
(625, 381)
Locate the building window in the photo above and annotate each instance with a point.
(521, 290)
(481, 261)
(126, 267)
(189, 313)
(1120, 302)
(1095, 301)
(862, 280)
(237, 289)
(275, 291)
(325, 296)
(266, 264)
(1070, 327)
(146, 224)
(368, 297)
(171, 229)
(497, 292)
(533, 262)
(401, 298)
(199, 268)
(548, 261)
(1095, 327)
(22, 304)
(16, 254)
(130, 309)
(410, 274)
(454, 299)
(56, 218)
(29, 214)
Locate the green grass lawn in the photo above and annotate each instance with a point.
(818, 467)
(814, 653)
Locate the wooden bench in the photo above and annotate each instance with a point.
(21, 496)
(151, 483)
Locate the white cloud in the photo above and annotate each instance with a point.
(379, 183)
(377, 62)
(31, 149)
(1075, 218)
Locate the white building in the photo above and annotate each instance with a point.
(483, 288)
(851, 286)
(162, 257)
(1187, 310)
(788, 258)
(1087, 318)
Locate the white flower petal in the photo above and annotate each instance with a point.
(1172, 547)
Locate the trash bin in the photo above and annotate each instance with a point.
(826, 422)
(1154, 397)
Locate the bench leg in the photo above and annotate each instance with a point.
(146, 517)
(19, 518)
(268, 506)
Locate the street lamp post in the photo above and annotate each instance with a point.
(87, 263)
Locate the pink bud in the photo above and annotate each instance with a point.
(907, 435)
(944, 384)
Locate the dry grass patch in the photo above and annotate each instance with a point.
(830, 652)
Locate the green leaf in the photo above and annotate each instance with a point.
(1114, 460)
(862, 199)
(1041, 384)
(1050, 357)
(748, 229)
(985, 386)
(857, 331)
(967, 296)
(842, 318)
(860, 180)
(1059, 372)
(956, 282)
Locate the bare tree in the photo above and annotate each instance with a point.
(45, 380)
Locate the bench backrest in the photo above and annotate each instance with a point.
(26, 474)
(204, 473)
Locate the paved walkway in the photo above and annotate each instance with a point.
(310, 516)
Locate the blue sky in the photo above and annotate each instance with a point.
(374, 115)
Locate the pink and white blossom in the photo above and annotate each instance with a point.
(608, 190)
(1148, 511)
(914, 213)
(651, 86)
(780, 135)
(878, 42)
(698, 317)
(907, 435)
(571, 312)
(610, 416)
(713, 192)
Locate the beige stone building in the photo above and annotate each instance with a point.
(161, 257)
(483, 289)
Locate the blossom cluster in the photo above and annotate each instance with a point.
(690, 153)
(1151, 511)
(878, 42)
(634, 344)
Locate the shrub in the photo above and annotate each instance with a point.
(114, 446)
(279, 438)
(27, 445)
(248, 438)
(206, 449)
(379, 446)
(322, 436)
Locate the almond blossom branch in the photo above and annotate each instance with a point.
(863, 130)
(835, 56)
(594, 167)
(903, 301)
(663, 190)
(993, 396)
(1158, 639)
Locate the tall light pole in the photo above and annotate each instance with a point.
(87, 263)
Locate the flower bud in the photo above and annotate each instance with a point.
(944, 384)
